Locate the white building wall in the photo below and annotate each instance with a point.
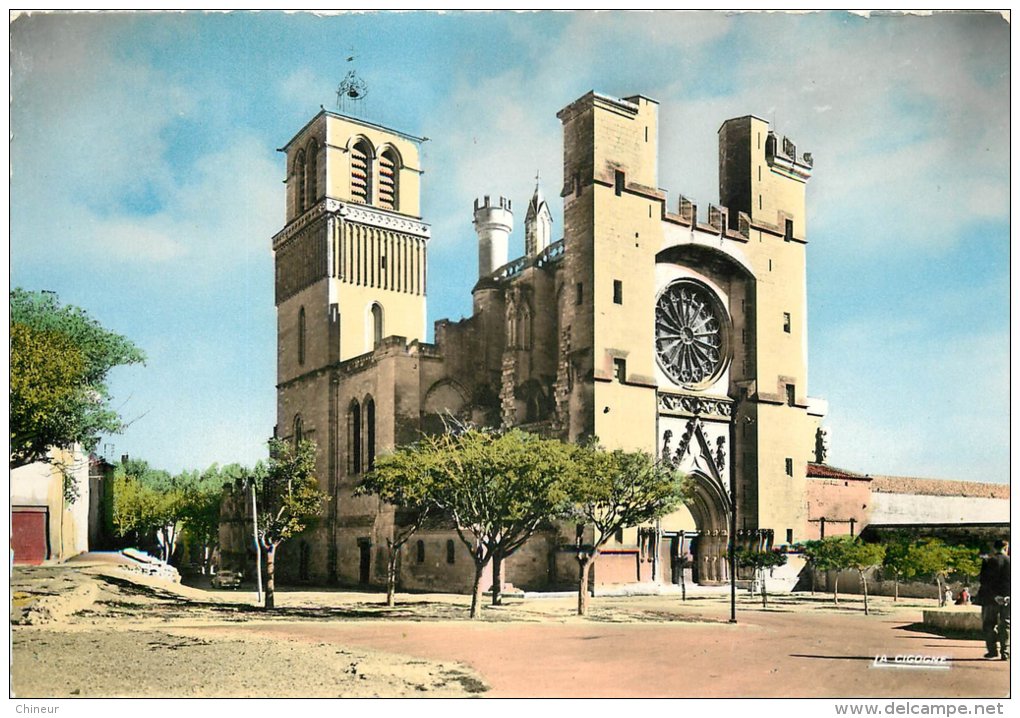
(42, 484)
(889, 508)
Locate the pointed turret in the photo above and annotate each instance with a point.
(537, 223)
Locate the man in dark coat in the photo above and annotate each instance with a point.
(993, 596)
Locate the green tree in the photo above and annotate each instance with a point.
(862, 557)
(613, 490)
(288, 500)
(830, 554)
(761, 562)
(896, 560)
(498, 489)
(147, 503)
(966, 561)
(200, 510)
(60, 359)
(936, 560)
(404, 479)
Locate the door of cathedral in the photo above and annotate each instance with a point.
(680, 544)
(703, 455)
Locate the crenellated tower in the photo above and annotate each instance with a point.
(494, 221)
(763, 178)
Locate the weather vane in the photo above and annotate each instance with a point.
(351, 90)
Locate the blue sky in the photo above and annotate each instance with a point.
(145, 187)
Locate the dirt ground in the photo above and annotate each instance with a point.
(90, 631)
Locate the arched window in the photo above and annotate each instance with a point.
(523, 333)
(511, 324)
(311, 172)
(299, 429)
(361, 172)
(301, 336)
(377, 325)
(389, 179)
(299, 182)
(370, 433)
(451, 551)
(354, 438)
(420, 551)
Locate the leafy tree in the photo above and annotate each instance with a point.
(147, 502)
(830, 554)
(937, 560)
(863, 557)
(405, 479)
(612, 490)
(897, 551)
(498, 489)
(200, 509)
(966, 561)
(761, 561)
(288, 500)
(60, 358)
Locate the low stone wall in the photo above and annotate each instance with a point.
(878, 585)
(954, 618)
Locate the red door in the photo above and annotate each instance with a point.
(28, 535)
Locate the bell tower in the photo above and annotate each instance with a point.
(350, 266)
(351, 260)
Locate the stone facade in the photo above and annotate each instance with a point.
(647, 325)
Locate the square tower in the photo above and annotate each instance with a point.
(611, 234)
(762, 177)
(350, 271)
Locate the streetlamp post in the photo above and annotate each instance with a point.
(733, 512)
(733, 540)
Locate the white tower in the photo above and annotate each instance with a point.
(493, 223)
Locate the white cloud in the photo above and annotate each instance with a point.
(84, 123)
(228, 206)
(134, 240)
(303, 87)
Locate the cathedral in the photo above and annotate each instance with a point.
(649, 323)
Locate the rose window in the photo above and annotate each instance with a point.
(690, 339)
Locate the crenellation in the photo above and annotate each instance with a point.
(493, 223)
(717, 218)
(783, 157)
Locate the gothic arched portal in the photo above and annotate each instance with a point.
(708, 502)
(709, 507)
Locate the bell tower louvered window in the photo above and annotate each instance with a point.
(388, 180)
(311, 172)
(361, 173)
(299, 181)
